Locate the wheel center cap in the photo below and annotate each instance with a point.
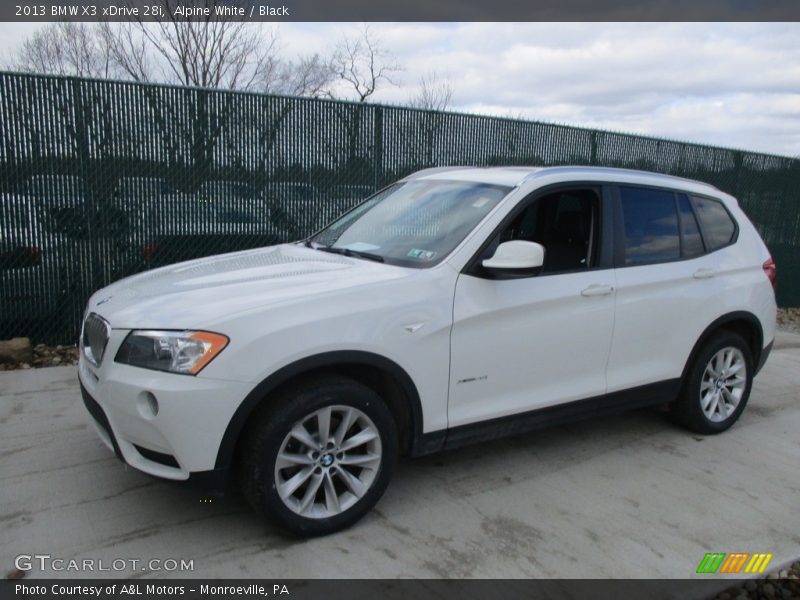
(326, 460)
(720, 383)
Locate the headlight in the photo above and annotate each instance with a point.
(186, 352)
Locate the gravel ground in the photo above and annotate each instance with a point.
(789, 319)
(46, 356)
(780, 585)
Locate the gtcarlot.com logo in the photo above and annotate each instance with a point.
(735, 562)
(47, 562)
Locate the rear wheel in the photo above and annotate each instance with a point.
(717, 386)
(320, 458)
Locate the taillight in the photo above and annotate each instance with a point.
(771, 272)
(149, 251)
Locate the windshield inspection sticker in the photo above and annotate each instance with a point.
(421, 254)
(360, 247)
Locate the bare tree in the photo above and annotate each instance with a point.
(434, 93)
(309, 75)
(127, 51)
(64, 48)
(207, 53)
(200, 53)
(214, 54)
(362, 64)
(210, 53)
(433, 96)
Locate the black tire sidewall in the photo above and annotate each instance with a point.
(293, 408)
(695, 414)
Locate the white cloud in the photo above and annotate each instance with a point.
(723, 84)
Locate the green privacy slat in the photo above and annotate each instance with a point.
(102, 179)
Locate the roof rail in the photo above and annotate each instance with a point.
(432, 170)
(545, 170)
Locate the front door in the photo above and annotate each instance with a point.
(540, 340)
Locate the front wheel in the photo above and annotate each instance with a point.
(717, 386)
(320, 458)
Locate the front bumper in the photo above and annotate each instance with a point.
(181, 440)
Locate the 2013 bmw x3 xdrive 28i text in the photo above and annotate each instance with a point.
(456, 305)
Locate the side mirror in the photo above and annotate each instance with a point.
(516, 257)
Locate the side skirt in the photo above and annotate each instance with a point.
(639, 397)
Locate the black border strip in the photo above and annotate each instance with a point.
(603, 11)
(349, 589)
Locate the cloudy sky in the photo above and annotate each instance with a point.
(728, 84)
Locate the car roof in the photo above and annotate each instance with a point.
(510, 176)
(514, 176)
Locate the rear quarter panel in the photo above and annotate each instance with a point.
(662, 311)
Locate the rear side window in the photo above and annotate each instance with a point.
(650, 222)
(718, 226)
(691, 241)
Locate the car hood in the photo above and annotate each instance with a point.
(206, 291)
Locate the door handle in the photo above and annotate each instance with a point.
(597, 290)
(704, 274)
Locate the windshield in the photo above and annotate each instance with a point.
(417, 223)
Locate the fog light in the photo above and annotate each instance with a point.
(148, 405)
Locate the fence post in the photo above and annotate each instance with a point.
(82, 141)
(377, 149)
(738, 165)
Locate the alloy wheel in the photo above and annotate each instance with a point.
(327, 461)
(723, 384)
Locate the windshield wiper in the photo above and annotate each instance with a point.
(349, 252)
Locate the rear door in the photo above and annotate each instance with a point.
(666, 283)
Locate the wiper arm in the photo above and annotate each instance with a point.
(349, 252)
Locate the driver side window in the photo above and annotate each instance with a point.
(566, 223)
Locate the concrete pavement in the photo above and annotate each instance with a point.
(627, 496)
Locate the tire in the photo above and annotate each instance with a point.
(282, 491)
(723, 397)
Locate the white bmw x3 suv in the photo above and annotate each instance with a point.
(454, 306)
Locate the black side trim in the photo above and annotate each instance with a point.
(158, 457)
(430, 443)
(100, 417)
(647, 395)
(764, 356)
(327, 359)
(739, 315)
(215, 481)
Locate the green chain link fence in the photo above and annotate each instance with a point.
(102, 179)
